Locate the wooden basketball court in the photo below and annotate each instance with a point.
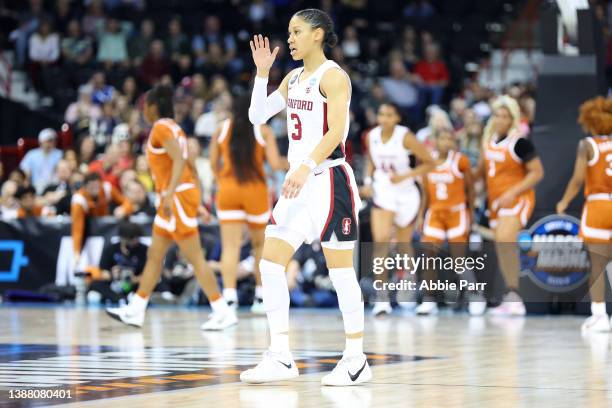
(448, 360)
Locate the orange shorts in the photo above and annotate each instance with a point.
(522, 207)
(596, 220)
(183, 222)
(449, 224)
(243, 203)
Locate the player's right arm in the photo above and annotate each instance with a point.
(366, 190)
(263, 107)
(573, 186)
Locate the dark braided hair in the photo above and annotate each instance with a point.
(319, 19)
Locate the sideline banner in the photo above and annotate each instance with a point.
(38, 251)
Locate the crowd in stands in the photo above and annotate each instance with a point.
(106, 54)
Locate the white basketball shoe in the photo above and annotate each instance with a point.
(349, 371)
(275, 366)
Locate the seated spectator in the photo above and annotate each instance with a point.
(44, 51)
(8, 204)
(58, 194)
(216, 63)
(123, 140)
(212, 35)
(63, 15)
(39, 163)
(138, 45)
(208, 123)
(72, 159)
(155, 65)
(176, 43)
(26, 197)
(433, 75)
(400, 89)
(86, 152)
(458, 106)
(83, 112)
(143, 174)
(28, 22)
(102, 92)
(94, 17)
(19, 177)
(121, 266)
(112, 43)
(136, 193)
(129, 89)
(106, 167)
(77, 49)
(93, 200)
(101, 129)
(351, 47)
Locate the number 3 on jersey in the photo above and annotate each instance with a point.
(297, 134)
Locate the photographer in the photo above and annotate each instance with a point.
(120, 266)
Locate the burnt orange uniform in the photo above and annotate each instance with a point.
(596, 220)
(83, 205)
(186, 199)
(505, 167)
(447, 217)
(236, 201)
(37, 211)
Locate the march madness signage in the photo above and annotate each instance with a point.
(553, 255)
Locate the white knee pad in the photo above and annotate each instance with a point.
(349, 298)
(275, 292)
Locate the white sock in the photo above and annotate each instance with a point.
(139, 303)
(230, 294)
(276, 303)
(598, 308)
(349, 298)
(354, 347)
(279, 342)
(219, 305)
(258, 292)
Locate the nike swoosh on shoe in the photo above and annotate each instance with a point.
(356, 375)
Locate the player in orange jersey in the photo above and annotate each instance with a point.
(176, 184)
(449, 197)
(512, 169)
(593, 167)
(237, 154)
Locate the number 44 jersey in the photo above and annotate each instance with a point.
(307, 115)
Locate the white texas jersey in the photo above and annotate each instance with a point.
(307, 115)
(391, 156)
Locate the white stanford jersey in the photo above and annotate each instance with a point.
(389, 157)
(307, 115)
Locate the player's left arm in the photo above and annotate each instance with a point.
(335, 86)
(426, 162)
(535, 172)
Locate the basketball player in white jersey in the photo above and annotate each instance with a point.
(390, 179)
(319, 196)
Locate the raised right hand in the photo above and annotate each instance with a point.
(262, 57)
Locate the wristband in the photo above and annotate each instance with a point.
(311, 164)
(367, 181)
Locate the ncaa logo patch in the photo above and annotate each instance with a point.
(346, 226)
